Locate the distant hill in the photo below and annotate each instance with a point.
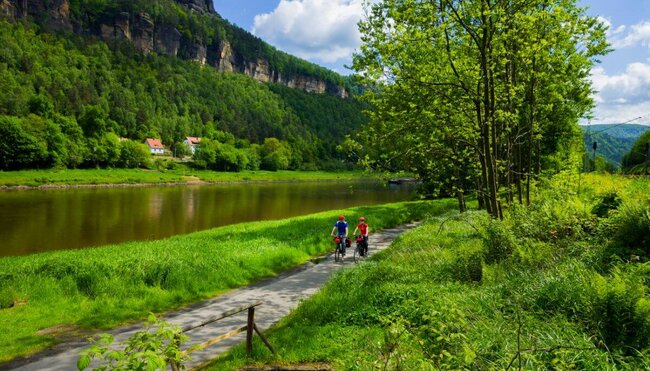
(614, 140)
(83, 79)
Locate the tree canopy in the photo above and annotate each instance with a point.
(68, 100)
(477, 94)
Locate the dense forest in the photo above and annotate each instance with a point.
(70, 101)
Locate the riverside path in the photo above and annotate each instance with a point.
(279, 295)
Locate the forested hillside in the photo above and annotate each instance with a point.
(613, 141)
(188, 29)
(67, 100)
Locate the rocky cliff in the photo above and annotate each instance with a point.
(150, 36)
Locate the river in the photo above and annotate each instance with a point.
(44, 220)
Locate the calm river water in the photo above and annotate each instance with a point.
(35, 221)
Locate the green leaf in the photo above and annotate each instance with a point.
(83, 362)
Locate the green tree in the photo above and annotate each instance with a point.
(476, 92)
(637, 161)
(75, 144)
(275, 155)
(181, 149)
(134, 155)
(93, 120)
(205, 154)
(104, 151)
(18, 148)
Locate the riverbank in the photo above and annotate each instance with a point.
(45, 297)
(280, 295)
(182, 175)
(562, 284)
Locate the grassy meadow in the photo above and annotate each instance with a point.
(562, 284)
(102, 287)
(179, 174)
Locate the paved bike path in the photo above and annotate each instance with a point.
(279, 294)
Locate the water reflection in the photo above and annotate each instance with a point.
(34, 221)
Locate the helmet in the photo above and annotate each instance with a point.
(362, 219)
(341, 217)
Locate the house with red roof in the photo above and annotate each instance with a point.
(155, 146)
(192, 142)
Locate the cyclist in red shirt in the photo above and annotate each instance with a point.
(364, 229)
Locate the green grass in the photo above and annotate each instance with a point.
(182, 174)
(103, 287)
(537, 291)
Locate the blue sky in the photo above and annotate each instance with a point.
(324, 32)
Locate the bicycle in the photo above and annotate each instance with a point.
(361, 250)
(338, 253)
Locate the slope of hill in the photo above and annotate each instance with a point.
(70, 95)
(189, 29)
(614, 140)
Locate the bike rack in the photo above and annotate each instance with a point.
(249, 328)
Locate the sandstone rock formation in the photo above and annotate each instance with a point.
(147, 36)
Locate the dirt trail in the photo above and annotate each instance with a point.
(280, 295)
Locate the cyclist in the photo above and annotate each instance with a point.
(364, 229)
(341, 227)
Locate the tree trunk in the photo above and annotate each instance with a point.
(459, 192)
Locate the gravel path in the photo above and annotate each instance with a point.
(279, 294)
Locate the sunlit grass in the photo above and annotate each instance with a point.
(465, 292)
(103, 287)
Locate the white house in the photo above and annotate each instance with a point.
(155, 146)
(192, 142)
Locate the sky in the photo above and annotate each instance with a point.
(325, 32)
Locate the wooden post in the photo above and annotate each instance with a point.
(264, 339)
(249, 330)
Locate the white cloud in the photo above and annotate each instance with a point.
(623, 96)
(318, 30)
(626, 37)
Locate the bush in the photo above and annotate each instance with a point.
(145, 350)
(220, 156)
(629, 232)
(470, 268)
(621, 313)
(134, 155)
(499, 241)
(606, 203)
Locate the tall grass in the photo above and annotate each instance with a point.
(538, 290)
(102, 287)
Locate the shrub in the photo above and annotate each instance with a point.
(145, 350)
(629, 232)
(621, 313)
(134, 155)
(606, 203)
(499, 241)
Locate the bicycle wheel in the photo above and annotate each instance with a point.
(356, 255)
(337, 254)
